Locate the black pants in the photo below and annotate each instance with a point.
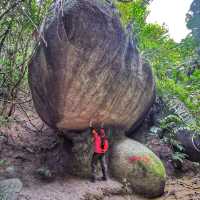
(102, 158)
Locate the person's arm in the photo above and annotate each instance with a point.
(90, 126)
(92, 130)
(106, 145)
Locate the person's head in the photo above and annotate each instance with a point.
(97, 129)
(102, 132)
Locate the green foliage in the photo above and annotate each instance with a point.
(4, 120)
(3, 163)
(134, 12)
(170, 119)
(177, 156)
(19, 22)
(175, 65)
(169, 125)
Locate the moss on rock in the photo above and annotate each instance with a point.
(137, 164)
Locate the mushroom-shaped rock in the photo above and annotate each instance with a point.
(89, 69)
(142, 169)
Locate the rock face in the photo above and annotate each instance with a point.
(90, 69)
(140, 167)
(81, 155)
(191, 143)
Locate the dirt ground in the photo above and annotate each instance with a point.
(73, 188)
(27, 145)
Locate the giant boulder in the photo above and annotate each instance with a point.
(90, 69)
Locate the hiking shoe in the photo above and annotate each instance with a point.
(104, 178)
(93, 180)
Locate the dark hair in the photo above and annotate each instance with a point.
(97, 129)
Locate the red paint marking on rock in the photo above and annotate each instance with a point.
(132, 159)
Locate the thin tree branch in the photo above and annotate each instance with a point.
(5, 35)
(40, 34)
(36, 128)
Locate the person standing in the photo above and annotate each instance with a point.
(100, 147)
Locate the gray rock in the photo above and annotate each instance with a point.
(90, 69)
(191, 143)
(10, 188)
(139, 166)
(81, 155)
(44, 173)
(11, 172)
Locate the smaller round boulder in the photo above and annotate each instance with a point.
(142, 169)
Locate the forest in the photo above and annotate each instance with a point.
(45, 144)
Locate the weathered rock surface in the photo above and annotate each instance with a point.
(191, 143)
(90, 68)
(9, 189)
(81, 155)
(140, 167)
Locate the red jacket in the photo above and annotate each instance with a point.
(97, 141)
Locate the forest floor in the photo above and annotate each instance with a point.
(26, 145)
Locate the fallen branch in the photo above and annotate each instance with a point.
(16, 102)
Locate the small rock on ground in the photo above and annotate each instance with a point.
(10, 188)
